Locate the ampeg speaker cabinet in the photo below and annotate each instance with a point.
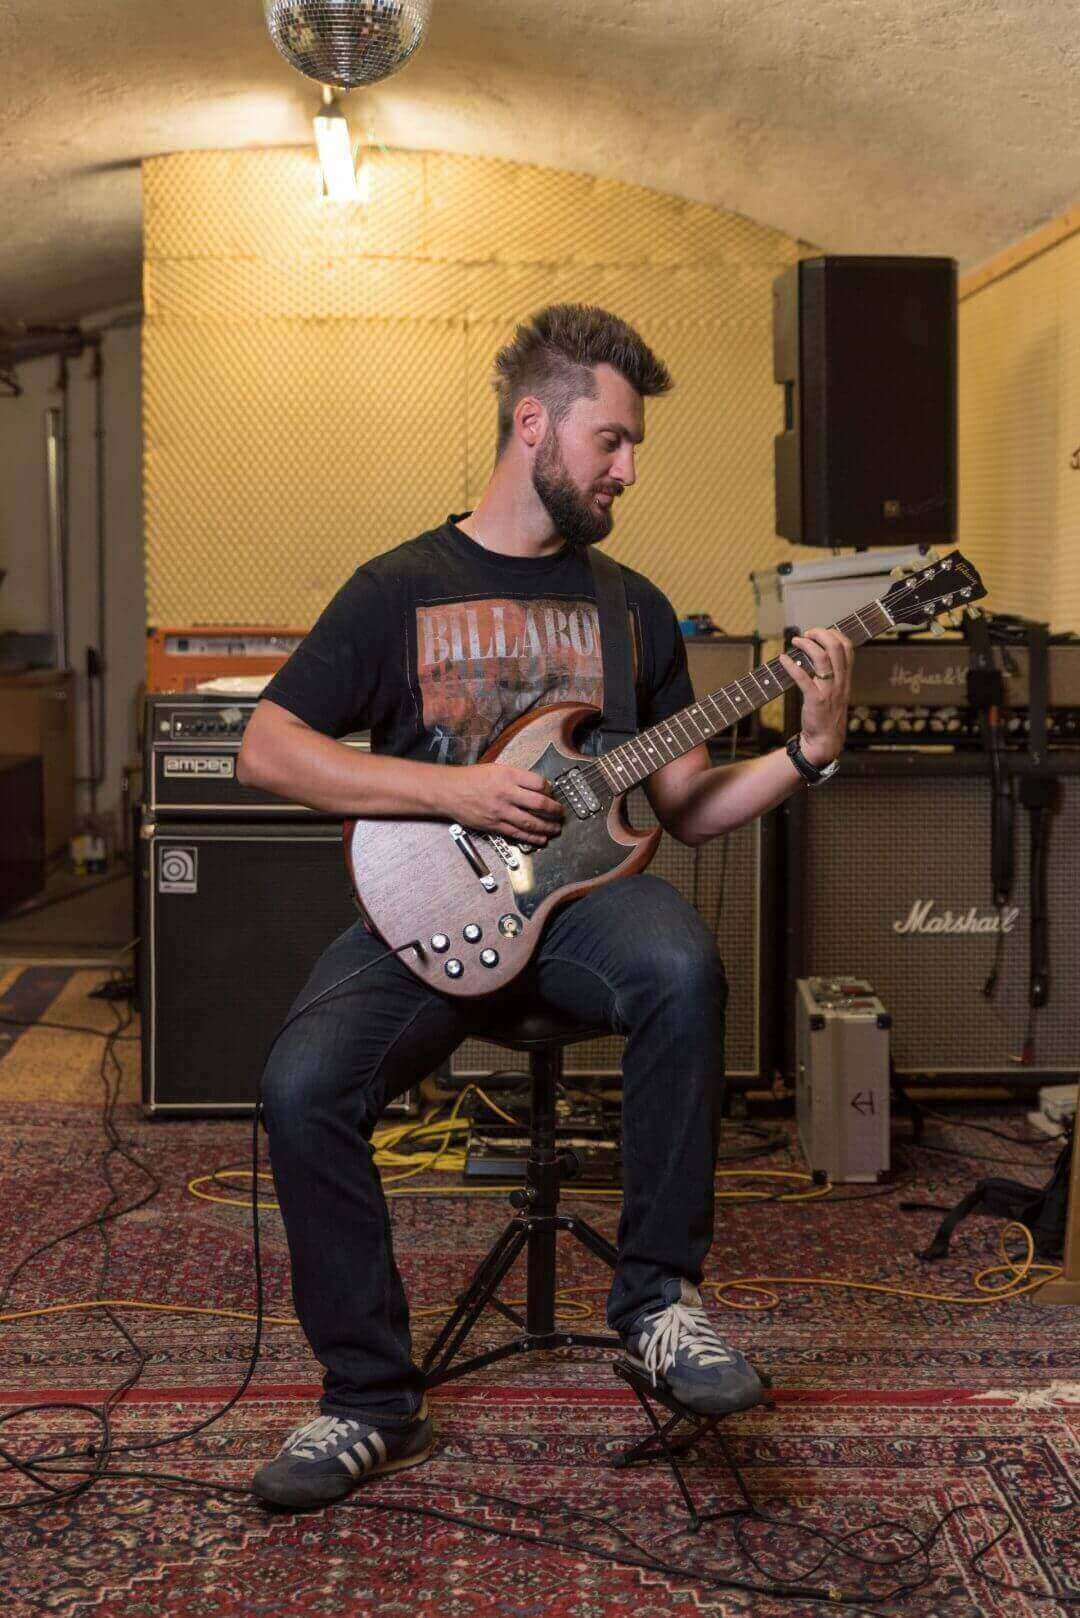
(888, 876)
(866, 351)
(233, 917)
(731, 881)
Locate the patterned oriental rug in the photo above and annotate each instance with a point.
(886, 1408)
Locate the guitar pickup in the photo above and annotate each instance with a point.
(579, 794)
(473, 855)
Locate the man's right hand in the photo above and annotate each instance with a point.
(502, 798)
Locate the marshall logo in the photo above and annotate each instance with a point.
(200, 764)
(913, 681)
(922, 918)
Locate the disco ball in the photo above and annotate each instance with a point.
(347, 42)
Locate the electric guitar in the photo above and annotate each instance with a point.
(476, 901)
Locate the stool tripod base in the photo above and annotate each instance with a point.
(536, 1234)
(535, 1228)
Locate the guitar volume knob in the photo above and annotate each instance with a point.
(488, 957)
(453, 968)
(472, 932)
(439, 942)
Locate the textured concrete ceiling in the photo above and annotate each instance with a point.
(913, 126)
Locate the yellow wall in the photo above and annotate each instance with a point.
(316, 376)
(1019, 409)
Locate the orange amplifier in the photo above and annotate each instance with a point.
(180, 659)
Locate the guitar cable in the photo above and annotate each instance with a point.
(101, 1454)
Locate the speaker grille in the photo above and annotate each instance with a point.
(236, 918)
(874, 851)
(724, 880)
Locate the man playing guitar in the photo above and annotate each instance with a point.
(436, 647)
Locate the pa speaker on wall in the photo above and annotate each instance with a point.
(234, 916)
(731, 882)
(888, 879)
(866, 351)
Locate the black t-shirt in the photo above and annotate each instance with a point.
(439, 644)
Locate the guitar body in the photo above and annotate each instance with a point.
(414, 880)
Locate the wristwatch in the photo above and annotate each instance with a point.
(811, 774)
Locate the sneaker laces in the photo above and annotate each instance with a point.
(319, 1434)
(683, 1326)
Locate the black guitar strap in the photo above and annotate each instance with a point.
(619, 722)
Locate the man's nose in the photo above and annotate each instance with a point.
(623, 468)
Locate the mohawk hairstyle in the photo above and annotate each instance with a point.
(552, 356)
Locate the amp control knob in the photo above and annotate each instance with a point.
(439, 942)
(488, 957)
(453, 968)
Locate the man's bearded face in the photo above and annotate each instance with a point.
(579, 516)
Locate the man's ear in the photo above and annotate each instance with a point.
(530, 420)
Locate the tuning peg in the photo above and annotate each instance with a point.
(899, 571)
(972, 612)
(956, 618)
(935, 627)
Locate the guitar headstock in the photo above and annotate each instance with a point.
(917, 600)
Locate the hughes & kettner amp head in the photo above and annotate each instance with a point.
(913, 693)
(190, 743)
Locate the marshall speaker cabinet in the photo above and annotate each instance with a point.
(889, 879)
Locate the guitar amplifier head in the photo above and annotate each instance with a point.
(913, 691)
(933, 673)
(889, 877)
(190, 744)
(179, 659)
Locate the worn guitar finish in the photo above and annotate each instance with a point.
(413, 881)
(475, 903)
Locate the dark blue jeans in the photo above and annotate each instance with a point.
(632, 953)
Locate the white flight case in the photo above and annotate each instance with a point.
(842, 1078)
(800, 595)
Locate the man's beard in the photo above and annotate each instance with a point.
(579, 522)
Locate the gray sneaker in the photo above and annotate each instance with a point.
(328, 1457)
(677, 1345)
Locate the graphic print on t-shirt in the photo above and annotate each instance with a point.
(480, 664)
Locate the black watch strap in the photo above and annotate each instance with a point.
(810, 773)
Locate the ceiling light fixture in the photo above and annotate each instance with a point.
(335, 151)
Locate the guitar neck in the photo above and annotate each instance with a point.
(632, 762)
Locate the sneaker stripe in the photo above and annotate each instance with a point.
(353, 1469)
(366, 1458)
(376, 1442)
